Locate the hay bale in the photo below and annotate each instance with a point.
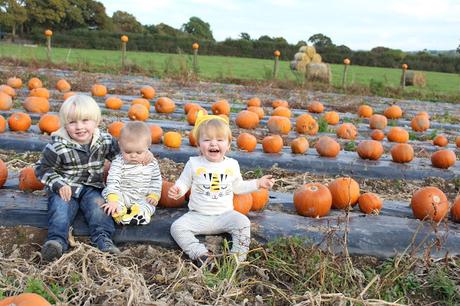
(316, 59)
(306, 60)
(310, 51)
(301, 66)
(415, 78)
(319, 72)
(299, 56)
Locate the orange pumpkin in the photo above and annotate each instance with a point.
(332, 117)
(247, 120)
(166, 201)
(454, 211)
(429, 203)
(254, 102)
(34, 83)
(156, 132)
(398, 134)
(40, 92)
(306, 124)
(258, 110)
(246, 142)
(188, 106)
(3, 173)
(440, 141)
(36, 105)
(277, 53)
(28, 181)
(402, 153)
(260, 198)
(315, 107)
(141, 101)
(19, 122)
(98, 90)
(420, 123)
(221, 107)
(299, 145)
(347, 131)
(113, 103)
(242, 203)
(377, 135)
(423, 113)
(378, 122)
(165, 105)
(370, 203)
(327, 147)
(279, 102)
(279, 125)
(2, 124)
(192, 140)
(195, 46)
(148, 92)
(282, 111)
(457, 141)
(345, 192)
(25, 299)
(313, 200)
(14, 82)
(115, 127)
(365, 111)
(48, 33)
(393, 112)
(443, 159)
(370, 149)
(8, 90)
(124, 38)
(63, 86)
(404, 66)
(172, 139)
(138, 112)
(5, 101)
(49, 123)
(272, 144)
(346, 61)
(193, 113)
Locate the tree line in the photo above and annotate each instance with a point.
(88, 20)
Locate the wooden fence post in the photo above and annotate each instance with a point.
(124, 41)
(48, 34)
(277, 54)
(195, 48)
(346, 63)
(403, 75)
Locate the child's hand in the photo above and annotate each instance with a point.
(266, 182)
(152, 201)
(65, 192)
(148, 158)
(174, 192)
(110, 208)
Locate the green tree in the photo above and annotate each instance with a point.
(320, 41)
(125, 22)
(245, 36)
(198, 28)
(12, 14)
(46, 13)
(96, 16)
(265, 38)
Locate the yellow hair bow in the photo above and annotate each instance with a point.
(201, 117)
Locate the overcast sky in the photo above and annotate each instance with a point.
(408, 25)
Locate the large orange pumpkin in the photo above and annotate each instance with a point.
(345, 192)
(259, 199)
(19, 122)
(279, 125)
(306, 124)
(3, 173)
(98, 90)
(282, 111)
(14, 82)
(193, 113)
(49, 123)
(188, 106)
(221, 107)
(377, 134)
(440, 141)
(443, 159)
(247, 120)
(141, 101)
(258, 110)
(40, 92)
(28, 181)
(272, 144)
(165, 105)
(347, 131)
(156, 132)
(25, 299)
(115, 127)
(313, 200)
(429, 203)
(332, 117)
(327, 147)
(8, 90)
(34, 83)
(420, 123)
(254, 101)
(315, 107)
(114, 103)
(377, 121)
(148, 92)
(166, 201)
(393, 112)
(2, 124)
(370, 203)
(6, 102)
(36, 105)
(63, 86)
(299, 145)
(365, 111)
(242, 203)
(398, 134)
(138, 112)
(402, 153)
(370, 149)
(247, 142)
(172, 139)
(455, 210)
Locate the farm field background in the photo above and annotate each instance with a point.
(221, 68)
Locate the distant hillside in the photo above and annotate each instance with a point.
(449, 53)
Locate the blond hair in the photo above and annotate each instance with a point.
(214, 128)
(135, 131)
(79, 107)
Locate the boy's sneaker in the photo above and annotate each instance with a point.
(51, 250)
(106, 245)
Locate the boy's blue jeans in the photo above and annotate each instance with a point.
(61, 215)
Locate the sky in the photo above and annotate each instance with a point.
(409, 25)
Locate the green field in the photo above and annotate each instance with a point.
(220, 67)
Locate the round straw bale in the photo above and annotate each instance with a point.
(316, 58)
(310, 51)
(299, 56)
(415, 78)
(319, 72)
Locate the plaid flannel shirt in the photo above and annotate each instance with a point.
(65, 162)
